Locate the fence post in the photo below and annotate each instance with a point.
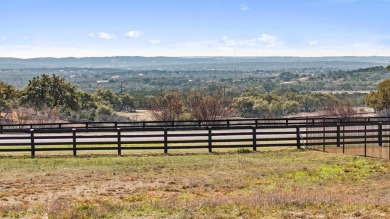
(298, 138)
(306, 122)
(228, 123)
(1, 129)
(380, 135)
(365, 137)
(343, 138)
(256, 122)
(254, 138)
(306, 130)
(59, 125)
(86, 125)
(32, 143)
(119, 142)
(74, 142)
(165, 140)
(286, 122)
(323, 137)
(173, 123)
(338, 135)
(143, 124)
(116, 124)
(210, 142)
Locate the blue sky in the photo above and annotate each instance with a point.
(79, 28)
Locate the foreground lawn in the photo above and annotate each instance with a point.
(274, 184)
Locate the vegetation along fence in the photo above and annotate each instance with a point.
(358, 138)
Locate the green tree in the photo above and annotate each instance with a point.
(104, 111)
(8, 95)
(244, 105)
(288, 76)
(50, 91)
(87, 101)
(128, 102)
(110, 97)
(261, 109)
(380, 99)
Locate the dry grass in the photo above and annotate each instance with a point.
(274, 183)
(373, 151)
(139, 115)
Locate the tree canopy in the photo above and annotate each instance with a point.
(7, 94)
(380, 99)
(50, 91)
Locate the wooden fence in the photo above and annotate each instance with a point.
(366, 139)
(302, 121)
(164, 139)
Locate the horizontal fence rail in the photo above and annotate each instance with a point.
(364, 139)
(357, 138)
(164, 139)
(302, 121)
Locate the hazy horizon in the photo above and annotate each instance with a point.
(189, 56)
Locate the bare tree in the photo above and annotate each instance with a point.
(340, 109)
(167, 107)
(208, 107)
(23, 115)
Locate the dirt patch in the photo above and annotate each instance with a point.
(139, 115)
(361, 112)
(46, 188)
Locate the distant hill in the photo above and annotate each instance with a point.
(198, 63)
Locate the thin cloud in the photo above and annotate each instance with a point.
(267, 40)
(3, 38)
(313, 43)
(106, 36)
(133, 34)
(225, 49)
(244, 7)
(155, 42)
(228, 42)
(225, 43)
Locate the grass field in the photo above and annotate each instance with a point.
(281, 183)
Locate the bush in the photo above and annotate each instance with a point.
(243, 151)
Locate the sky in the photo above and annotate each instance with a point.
(95, 28)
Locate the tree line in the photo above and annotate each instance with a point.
(51, 97)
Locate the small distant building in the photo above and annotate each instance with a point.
(102, 81)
